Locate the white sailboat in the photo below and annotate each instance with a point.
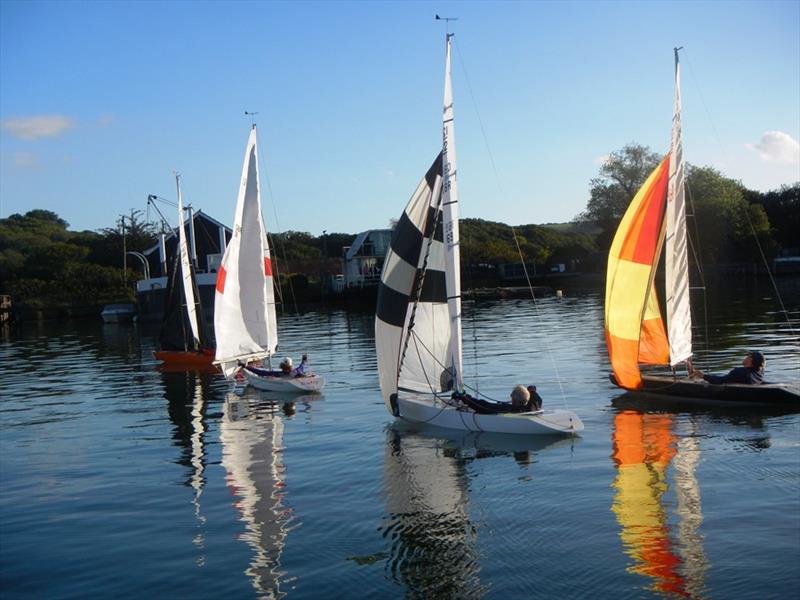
(418, 314)
(245, 321)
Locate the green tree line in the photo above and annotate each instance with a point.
(44, 264)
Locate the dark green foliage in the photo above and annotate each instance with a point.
(782, 207)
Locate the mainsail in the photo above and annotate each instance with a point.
(679, 317)
(244, 309)
(186, 270)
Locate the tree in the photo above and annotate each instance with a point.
(782, 207)
(730, 229)
(610, 193)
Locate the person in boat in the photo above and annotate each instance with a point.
(535, 403)
(520, 398)
(288, 369)
(286, 366)
(751, 372)
(302, 368)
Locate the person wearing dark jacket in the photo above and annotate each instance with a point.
(751, 372)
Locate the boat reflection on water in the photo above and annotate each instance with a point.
(187, 393)
(251, 432)
(645, 445)
(431, 539)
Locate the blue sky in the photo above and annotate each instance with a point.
(101, 101)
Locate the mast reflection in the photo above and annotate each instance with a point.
(251, 432)
(644, 447)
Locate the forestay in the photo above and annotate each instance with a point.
(244, 310)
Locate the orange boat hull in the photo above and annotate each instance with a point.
(179, 360)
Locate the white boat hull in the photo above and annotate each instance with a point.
(298, 385)
(437, 413)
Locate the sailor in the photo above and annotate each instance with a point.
(286, 366)
(751, 371)
(535, 402)
(300, 371)
(520, 397)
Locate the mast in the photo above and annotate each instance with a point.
(679, 316)
(450, 225)
(186, 270)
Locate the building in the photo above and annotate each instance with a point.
(207, 239)
(362, 263)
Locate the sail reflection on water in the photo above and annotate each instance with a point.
(186, 393)
(251, 433)
(644, 447)
(432, 541)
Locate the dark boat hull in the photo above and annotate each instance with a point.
(734, 393)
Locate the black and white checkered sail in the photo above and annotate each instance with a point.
(412, 324)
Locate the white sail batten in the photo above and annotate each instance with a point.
(679, 316)
(242, 309)
(186, 270)
(450, 225)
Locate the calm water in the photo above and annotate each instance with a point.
(117, 479)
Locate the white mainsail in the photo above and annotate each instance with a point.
(679, 316)
(450, 213)
(244, 308)
(186, 270)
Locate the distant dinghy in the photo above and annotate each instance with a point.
(635, 331)
(184, 340)
(418, 314)
(245, 321)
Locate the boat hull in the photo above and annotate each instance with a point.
(177, 360)
(296, 385)
(703, 391)
(435, 412)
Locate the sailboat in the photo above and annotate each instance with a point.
(184, 339)
(418, 313)
(634, 328)
(245, 321)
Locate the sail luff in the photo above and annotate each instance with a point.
(450, 226)
(679, 317)
(186, 270)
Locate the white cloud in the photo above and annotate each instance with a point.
(777, 146)
(34, 128)
(24, 159)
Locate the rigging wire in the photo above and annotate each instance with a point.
(746, 207)
(513, 230)
(263, 170)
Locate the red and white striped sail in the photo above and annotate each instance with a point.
(244, 304)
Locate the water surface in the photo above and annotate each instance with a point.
(117, 479)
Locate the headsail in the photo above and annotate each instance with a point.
(412, 324)
(244, 310)
(679, 316)
(633, 325)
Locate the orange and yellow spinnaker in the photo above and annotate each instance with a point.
(634, 328)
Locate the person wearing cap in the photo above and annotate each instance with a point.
(751, 371)
(286, 366)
